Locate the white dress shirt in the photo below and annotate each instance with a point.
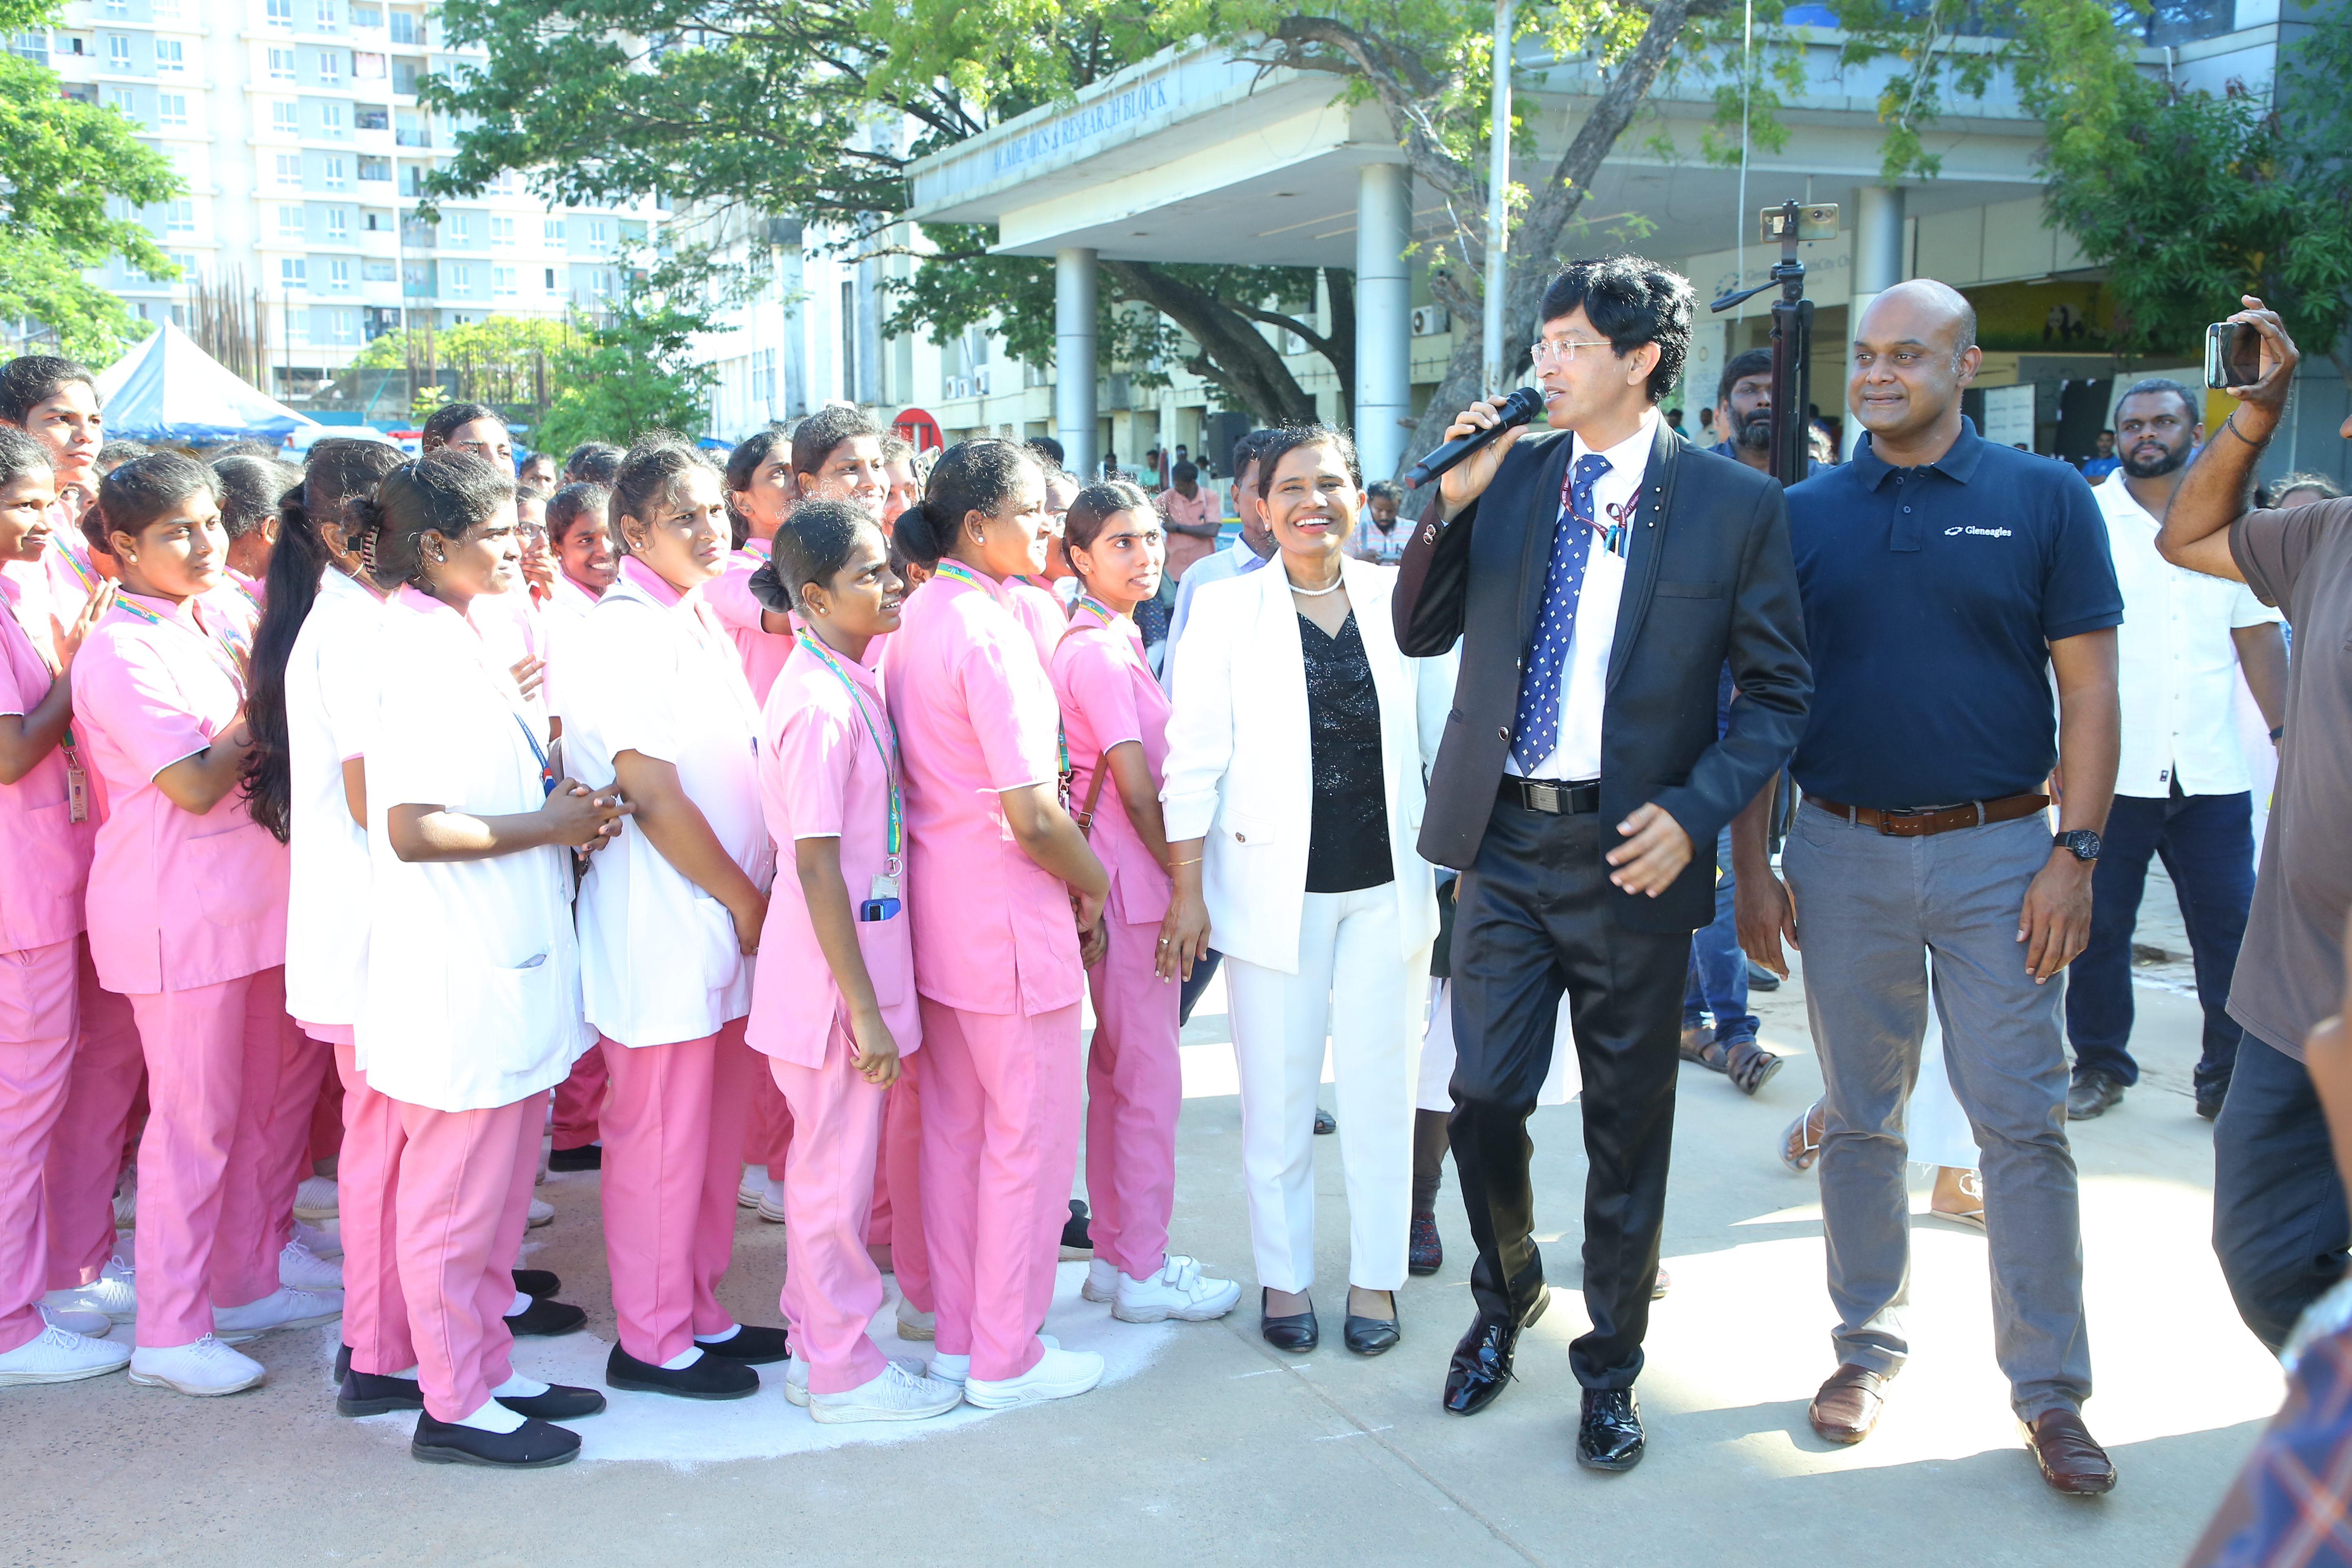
(1236, 560)
(2177, 665)
(1584, 677)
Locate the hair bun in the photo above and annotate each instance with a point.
(769, 588)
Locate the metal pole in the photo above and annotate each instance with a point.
(1498, 183)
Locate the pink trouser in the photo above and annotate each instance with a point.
(768, 1128)
(1000, 1145)
(465, 1197)
(37, 1009)
(86, 1151)
(831, 1289)
(897, 1216)
(367, 1195)
(308, 1064)
(210, 1203)
(669, 1186)
(1135, 1087)
(578, 1100)
(326, 1114)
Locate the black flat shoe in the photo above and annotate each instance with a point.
(545, 1320)
(1324, 1122)
(366, 1394)
(1370, 1336)
(1077, 1247)
(537, 1283)
(533, 1445)
(710, 1377)
(1423, 1252)
(751, 1346)
(1482, 1360)
(1608, 1432)
(587, 1157)
(1297, 1333)
(343, 1363)
(562, 1402)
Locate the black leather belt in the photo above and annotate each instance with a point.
(1551, 796)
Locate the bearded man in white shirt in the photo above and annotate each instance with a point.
(2183, 792)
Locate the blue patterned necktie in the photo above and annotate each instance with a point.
(1537, 733)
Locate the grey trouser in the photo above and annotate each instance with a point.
(1871, 912)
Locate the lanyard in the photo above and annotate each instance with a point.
(1110, 617)
(229, 656)
(546, 769)
(894, 841)
(964, 574)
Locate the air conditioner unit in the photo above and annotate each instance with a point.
(979, 380)
(1428, 321)
(957, 386)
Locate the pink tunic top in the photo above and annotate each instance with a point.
(993, 932)
(821, 775)
(1033, 604)
(44, 854)
(1109, 695)
(729, 598)
(176, 900)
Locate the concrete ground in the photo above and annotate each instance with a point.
(1212, 1447)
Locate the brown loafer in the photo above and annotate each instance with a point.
(1847, 1408)
(2070, 1460)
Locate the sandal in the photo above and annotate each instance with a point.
(1971, 1185)
(1746, 1064)
(1801, 1145)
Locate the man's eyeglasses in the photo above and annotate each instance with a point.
(1561, 351)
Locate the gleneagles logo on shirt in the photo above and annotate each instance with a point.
(1979, 533)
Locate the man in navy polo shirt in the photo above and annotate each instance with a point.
(1944, 579)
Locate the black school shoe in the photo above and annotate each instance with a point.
(1076, 1245)
(710, 1377)
(546, 1320)
(750, 1345)
(537, 1283)
(533, 1445)
(587, 1157)
(369, 1394)
(562, 1402)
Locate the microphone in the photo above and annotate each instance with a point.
(1515, 410)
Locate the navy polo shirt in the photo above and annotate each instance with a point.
(1930, 595)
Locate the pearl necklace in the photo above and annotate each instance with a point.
(1338, 582)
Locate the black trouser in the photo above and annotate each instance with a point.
(1534, 920)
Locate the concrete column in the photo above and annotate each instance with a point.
(1383, 317)
(1074, 357)
(1878, 266)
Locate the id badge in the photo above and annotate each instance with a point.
(76, 794)
(885, 887)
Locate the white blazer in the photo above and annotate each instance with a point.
(1241, 762)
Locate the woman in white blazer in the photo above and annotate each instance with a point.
(1297, 757)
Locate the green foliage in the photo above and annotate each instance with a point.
(61, 162)
(631, 372)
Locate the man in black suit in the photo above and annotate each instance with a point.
(1598, 577)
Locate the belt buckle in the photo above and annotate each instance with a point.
(1544, 797)
(1900, 822)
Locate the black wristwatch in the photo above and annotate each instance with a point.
(2082, 844)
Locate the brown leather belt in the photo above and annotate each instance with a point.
(1920, 823)
(1550, 797)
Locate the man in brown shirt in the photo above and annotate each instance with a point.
(2280, 1224)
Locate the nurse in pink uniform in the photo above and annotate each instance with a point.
(44, 849)
(669, 916)
(834, 1006)
(55, 401)
(471, 1008)
(1115, 722)
(760, 495)
(995, 867)
(187, 918)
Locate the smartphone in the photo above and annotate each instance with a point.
(878, 909)
(2233, 354)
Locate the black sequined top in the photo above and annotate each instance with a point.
(1348, 846)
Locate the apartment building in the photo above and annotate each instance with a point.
(297, 128)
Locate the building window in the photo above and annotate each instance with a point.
(367, 16)
(293, 272)
(502, 279)
(461, 228)
(549, 284)
(330, 121)
(185, 260)
(279, 12)
(596, 232)
(376, 271)
(339, 222)
(171, 108)
(171, 56)
(298, 328)
(339, 272)
(461, 278)
(326, 13)
(502, 231)
(117, 8)
(290, 169)
(375, 168)
(282, 65)
(286, 119)
(407, 28)
(118, 52)
(289, 223)
(551, 229)
(333, 168)
(331, 68)
(120, 98)
(164, 10)
(502, 183)
(180, 217)
(346, 326)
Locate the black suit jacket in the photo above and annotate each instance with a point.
(1708, 578)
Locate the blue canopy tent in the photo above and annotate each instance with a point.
(168, 389)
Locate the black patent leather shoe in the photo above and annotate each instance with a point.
(536, 1282)
(562, 1402)
(1482, 1360)
(1297, 1333)
(533, 1445)
(1424, 1253)
(1370, 1336)
(708, 1377)
(544, 1319)
(1608, 1432)
(751, 1344)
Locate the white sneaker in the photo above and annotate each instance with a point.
(541, 1214)
(957, 1369)
(1059, 1374)
(321, 1243)
(915, 1325)
(796, 1382)
(283, 1308)
(755, 1181)
(202, 1369)
(1102, 1281)
(894, 1395)
(60, 1355)
(315, 1198)
(126, 1200)
(114, 1292)
(301, 1269)
(77, 1320)
(771, 1203)
(1179, 1290)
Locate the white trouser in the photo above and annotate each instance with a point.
(1352, 988)
(1562, 1084)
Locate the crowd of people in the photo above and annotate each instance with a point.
(750, 835)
